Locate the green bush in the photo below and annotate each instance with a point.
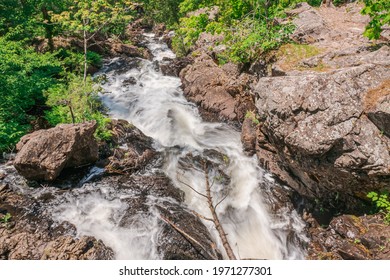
(76, 101)
(251, 38)
(248, 27)
(382, 204)
(6, 218)
(379, 12)
(25, 75)
(94, 59)
(188, 32)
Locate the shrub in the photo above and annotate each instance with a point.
(25, 75)
(379, 12)
(382, 204)
(76, 101)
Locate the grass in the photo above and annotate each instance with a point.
(291, 55)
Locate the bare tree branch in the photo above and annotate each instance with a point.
(187, 185)
(215, 207)
(201, 216)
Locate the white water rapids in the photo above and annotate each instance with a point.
(155, 104)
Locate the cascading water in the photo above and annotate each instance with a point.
(154, 103)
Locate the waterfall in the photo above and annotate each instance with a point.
(139, 93)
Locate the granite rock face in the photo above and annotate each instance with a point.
(328, 129)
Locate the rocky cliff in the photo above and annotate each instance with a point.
(321, 117)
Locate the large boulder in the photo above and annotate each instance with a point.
(172, 67)
(43, 154)
(220, 91)
(318, 126)
(134, 149)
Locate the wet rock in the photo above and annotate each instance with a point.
(118, 48)
(182, 234)
(203, 83)
(317, 126)
(185, 225)
(130, 81)
(351, 237)
(135, 149)
(123, 64)
(159, 29)
(136, 29)
(172, 67)
(43, 154)
(30, 234)
(248, 136)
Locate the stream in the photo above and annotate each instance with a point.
(137, 91)
(155, 104)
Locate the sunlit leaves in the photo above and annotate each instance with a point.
(93, 16)
(24, 75)
(379, 12)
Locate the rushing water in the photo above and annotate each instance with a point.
(155, 104)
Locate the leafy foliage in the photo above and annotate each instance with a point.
(6, 218)
(166, 11)
(382, 203)
(188, 32)
(251, 38)
(379, 12)
(76, 101)
(248, 26)
(87, 18)
(95, 16)
(24, 76)
(32, 81)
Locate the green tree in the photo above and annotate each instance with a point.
(29, 19)
(24, 75)
(379, 12)
(166, 11)
(87, 18)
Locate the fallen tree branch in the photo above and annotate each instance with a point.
(216, 221)
(190, 239)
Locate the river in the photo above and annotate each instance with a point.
(142, 95)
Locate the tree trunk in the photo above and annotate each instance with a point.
(216, 221)
(85, 55)
(71, 113)
(48, 28)
(85, 41)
